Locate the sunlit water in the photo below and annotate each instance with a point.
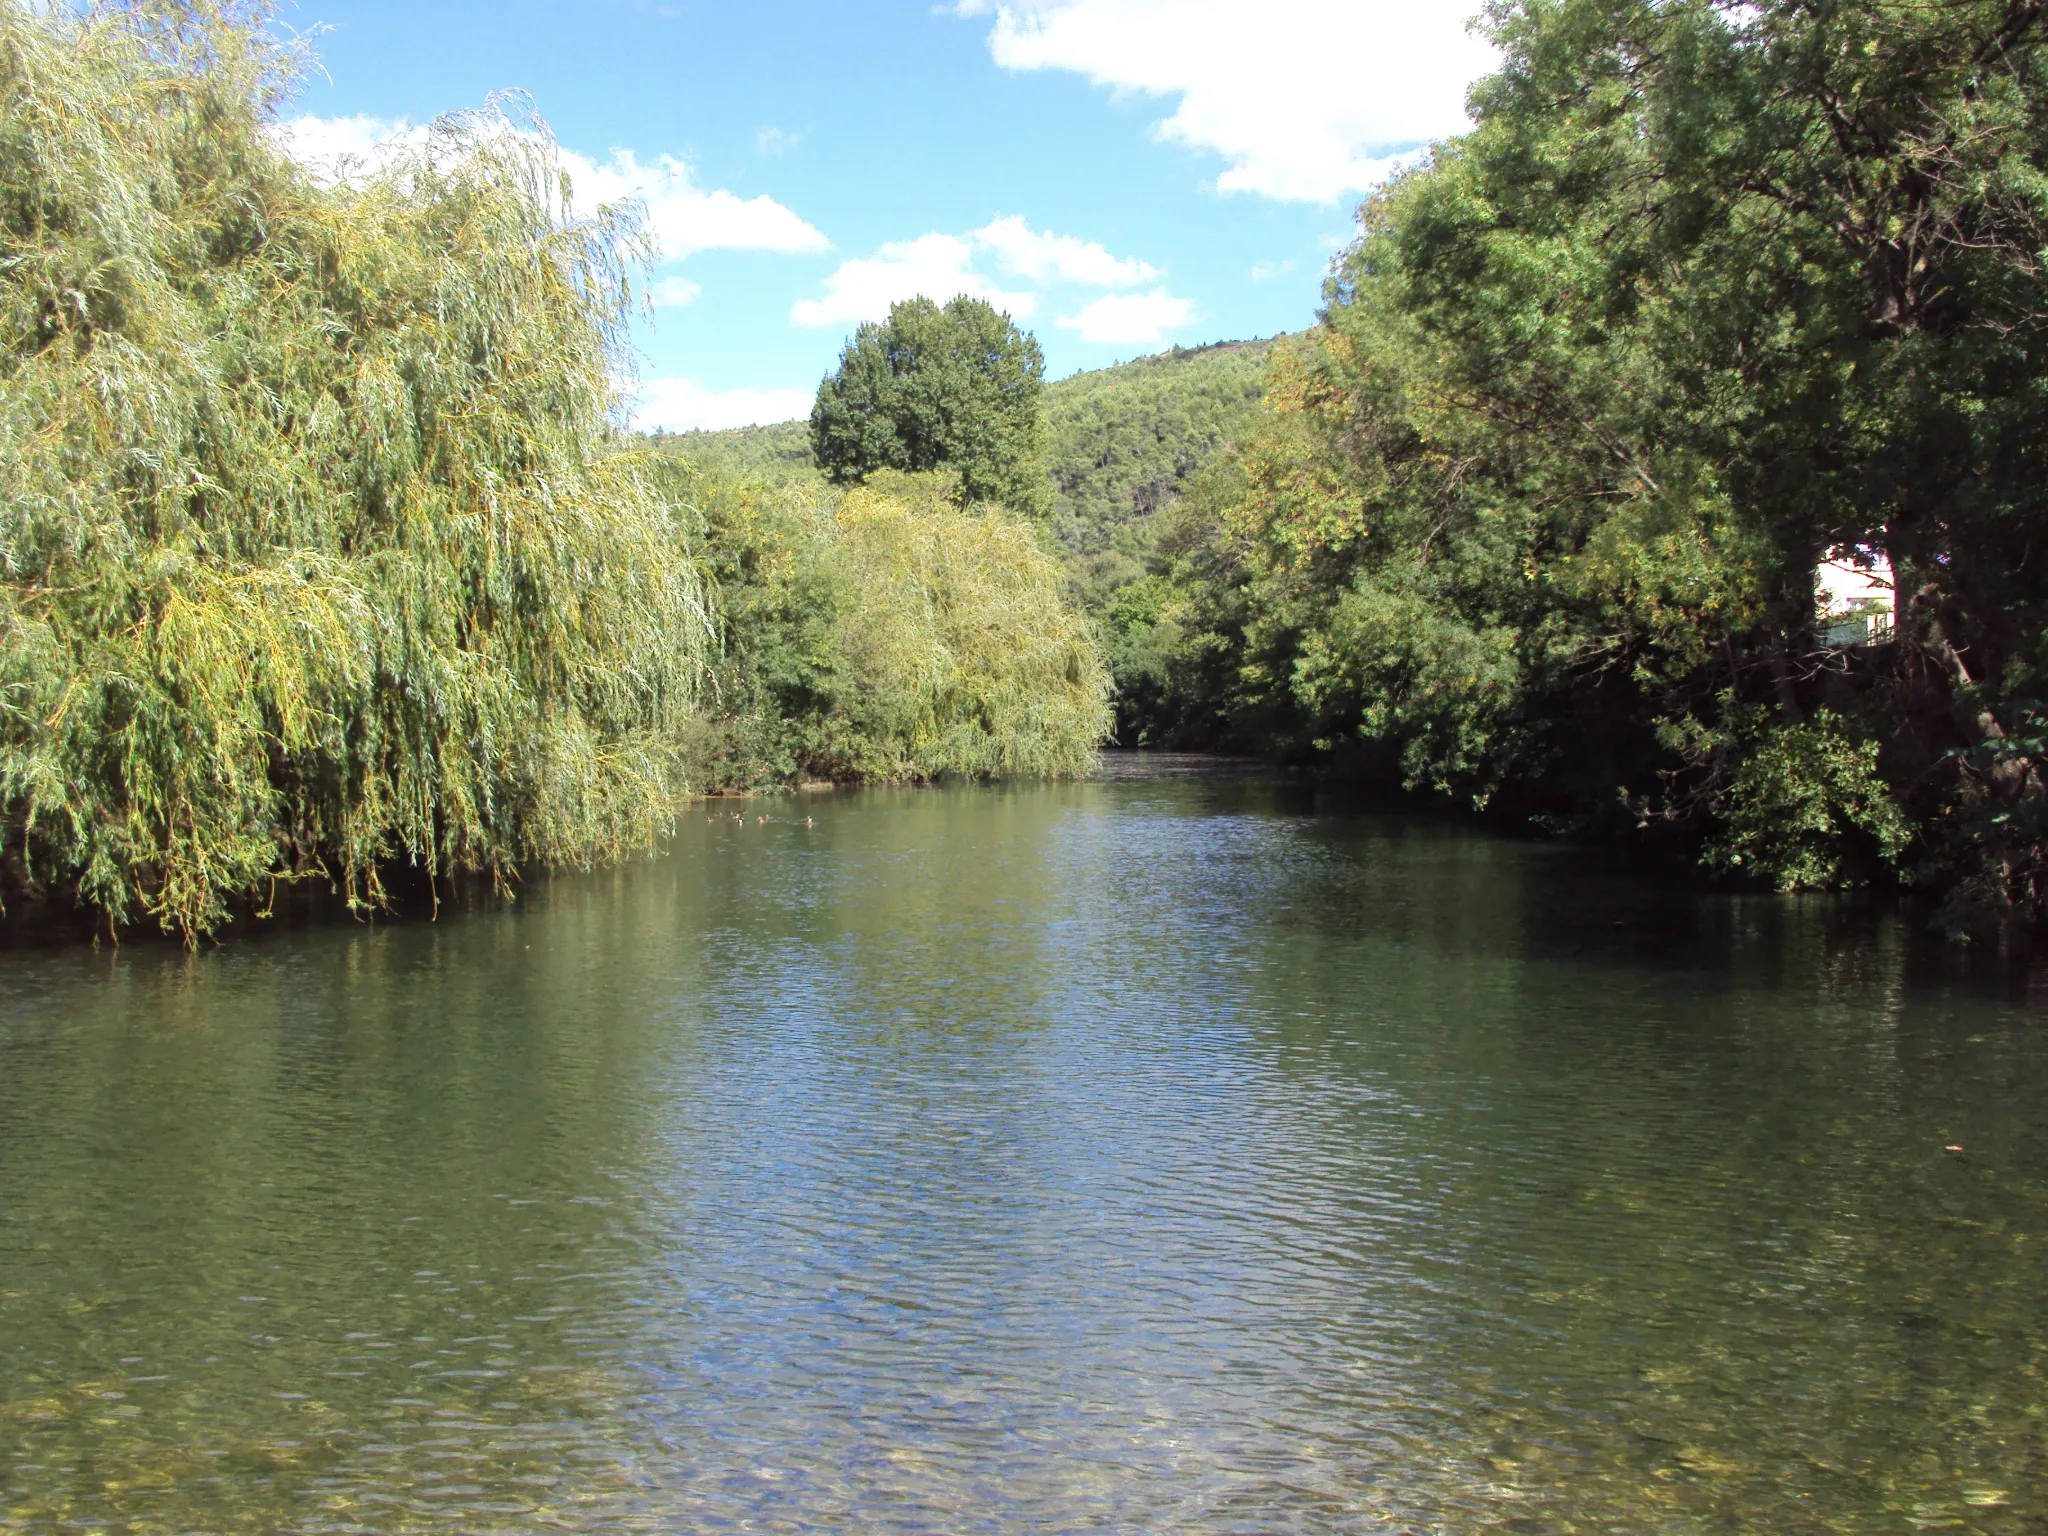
(1169, 1154)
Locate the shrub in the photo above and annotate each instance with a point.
(889, 634)
(1805, 808)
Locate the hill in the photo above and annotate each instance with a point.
(1121, 441)
(776, 453)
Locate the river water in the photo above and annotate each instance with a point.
(1172, 1152)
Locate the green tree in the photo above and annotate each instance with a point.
(954, 387)
(1711, 289)
(886, 633)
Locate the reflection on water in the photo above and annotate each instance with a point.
(1163, 1153)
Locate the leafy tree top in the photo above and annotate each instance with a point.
(954, 386)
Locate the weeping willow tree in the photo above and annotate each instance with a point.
(887, 633)
(315, 557)
(959, 653)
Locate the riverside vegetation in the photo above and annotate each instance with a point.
(1709, 291)
(1529, 519)
(322, 554)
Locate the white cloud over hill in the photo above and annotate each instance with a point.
(1306, 100)
(683, 217)
(681, 405)
(1042, 256)
(939, 266)
(1120, 319)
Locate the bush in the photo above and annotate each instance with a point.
(889, 634)
(1806, 809)
(960, 655)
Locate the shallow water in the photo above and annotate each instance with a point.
(1170, 1153)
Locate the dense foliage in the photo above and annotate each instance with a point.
(938, 387)
(1122, 442)
(318, 549)
(888, 633)
(1710, 290)
(309, 554)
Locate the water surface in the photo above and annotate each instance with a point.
(1165, 1153)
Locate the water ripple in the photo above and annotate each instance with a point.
(1181, 1153)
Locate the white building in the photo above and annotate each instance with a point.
(1855, 597)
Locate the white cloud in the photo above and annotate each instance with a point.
(1266, 271)
(682, 217)
(939, 266)
(333, 147)
(681, 405)
(936, 266)
(672, 293)
(1305, 99)
(772, 143)
(1044, 256)
(1126, 318)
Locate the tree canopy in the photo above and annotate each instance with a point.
(1532, 516)
(885, 632)
(954, 386)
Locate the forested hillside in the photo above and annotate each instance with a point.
(776, 453)
(1120, 442)
(1123, 441)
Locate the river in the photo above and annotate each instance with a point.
(1177, 1151)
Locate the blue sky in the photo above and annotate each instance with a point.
(1120, 174)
